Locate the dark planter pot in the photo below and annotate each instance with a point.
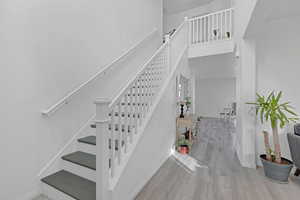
(275, 171)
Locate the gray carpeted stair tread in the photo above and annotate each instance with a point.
(81, 158)
(75, 186)
(88, 140)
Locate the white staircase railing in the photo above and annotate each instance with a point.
(119, 122)
(213, 27)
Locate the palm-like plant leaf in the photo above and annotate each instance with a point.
(271, 109)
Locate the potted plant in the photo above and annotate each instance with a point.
(183, 145)
(270, 109)
(188, 104)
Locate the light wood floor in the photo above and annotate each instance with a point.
(224, 179)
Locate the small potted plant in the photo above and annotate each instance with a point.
(270, 109)
(183, 145)
(188, 104)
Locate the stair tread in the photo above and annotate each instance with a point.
(75, 186)
(82, 158)
(88, 140)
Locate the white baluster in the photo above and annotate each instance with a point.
(209, 28)
(230, 23)
(119, 133)
(225, 24)
(126, 121)
(136, 107)
(194, 33)
(190, 33)
(221, 25)
(145, 93)
(218, 25)
(140, 100)
(201, 29)
(131, 119)
(112, 143)
(102, 148)
(147, 89)
(197, 31)
(205, 29)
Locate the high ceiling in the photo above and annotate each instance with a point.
(173, 6)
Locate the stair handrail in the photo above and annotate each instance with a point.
(67, 98)
(179, 28)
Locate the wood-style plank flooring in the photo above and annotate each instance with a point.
(223, 179)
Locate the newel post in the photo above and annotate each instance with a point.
(102, 149)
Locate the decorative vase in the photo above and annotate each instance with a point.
(181, 109)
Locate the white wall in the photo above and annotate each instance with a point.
(173, 20)
(245, 82)
(218, 66)
(213, 95)
(278, 67)
(48, 48)
(214, 83)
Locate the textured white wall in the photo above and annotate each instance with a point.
(278, 67)
(214, 83)
(213, 95)
(48, 48)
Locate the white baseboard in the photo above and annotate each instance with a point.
(137, 190)
(54, 194)
(31, 195)
(54, 164)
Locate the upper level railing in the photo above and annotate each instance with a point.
(120, 121)
(213, 27)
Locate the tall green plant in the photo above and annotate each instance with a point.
(271, 109)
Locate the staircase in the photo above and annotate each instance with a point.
(119, 125)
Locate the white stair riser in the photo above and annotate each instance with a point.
(54, 194)
(79, 170)
(87, 148)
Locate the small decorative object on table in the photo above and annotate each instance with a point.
(181, 109)
(270, 108)
(188, 104)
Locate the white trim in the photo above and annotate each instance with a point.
(65, 100)
(57, 157)
(31, 195)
